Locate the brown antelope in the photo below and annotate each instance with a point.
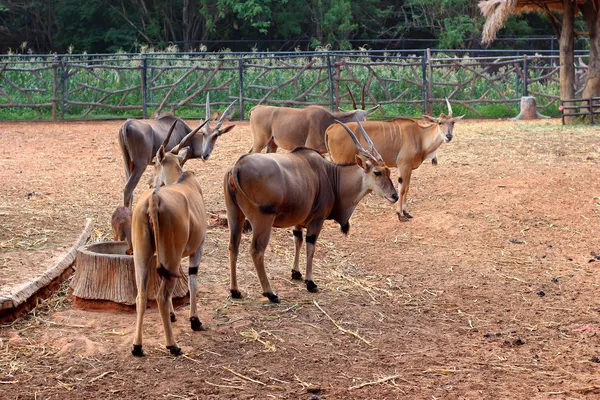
(171, 222)
(216, 116)
(403, 142)
(289, 128)
(121, 227)
(140, 139)
(299, 189)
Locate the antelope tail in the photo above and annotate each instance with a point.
(154, 204)
(233, 185)
(327, 147)
(125, 150)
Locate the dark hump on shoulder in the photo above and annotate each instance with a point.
(302, 149)
(307, 153)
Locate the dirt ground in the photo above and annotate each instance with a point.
(488, 293)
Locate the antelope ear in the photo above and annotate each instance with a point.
(226, 129)
(362, 162)
(457, 118)
(430, 118)
(184, 155)
(160, 154)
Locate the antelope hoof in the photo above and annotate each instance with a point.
(402, 217)
(312, 287)
(273, 298)
(407, 215)
(173, 317)
(175, 350)
(236, 294)
(196, 324)
(296, 275)
(137, 350)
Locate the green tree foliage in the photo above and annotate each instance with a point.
(110, 25)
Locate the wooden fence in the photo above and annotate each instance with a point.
(588, 107)
(97, 86)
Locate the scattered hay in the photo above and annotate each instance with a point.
(256, 336)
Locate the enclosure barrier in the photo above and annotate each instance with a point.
(411, 82)
(585, 108)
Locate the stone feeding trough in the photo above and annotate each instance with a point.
(104, 274)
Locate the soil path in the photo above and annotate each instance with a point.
(487, 293)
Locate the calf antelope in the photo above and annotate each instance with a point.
(299, 189)
(171, 222)
(139, 141)
(121, 227)
(289, 128)
(403, 142)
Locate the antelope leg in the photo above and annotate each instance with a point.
(261, 233)
(312, 233)
(296, 275)
(141, 261)
(195, 258)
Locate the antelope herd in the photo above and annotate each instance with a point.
(299, 189)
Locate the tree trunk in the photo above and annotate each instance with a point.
(103, 272)
(567, 54)
(591, 15)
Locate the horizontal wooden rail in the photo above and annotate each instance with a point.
(591, 104)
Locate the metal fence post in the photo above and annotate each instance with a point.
(525, 77)
(429, 83)
(55, 66)
(143, 86)
(424, 73)
(64, 87)
(241, 94)
(149, 90)
(331, 88)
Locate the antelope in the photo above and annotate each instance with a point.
(289, 128)
(139, 141)
(216, 116)
(403, 142)
(299, 189)
(171, 222)
(121, 227)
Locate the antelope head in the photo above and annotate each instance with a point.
(359, 114)
(167, 164)
(445, 123)
(210, 134)
(376, 176)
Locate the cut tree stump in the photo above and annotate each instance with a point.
(104, 272)
(528, 109)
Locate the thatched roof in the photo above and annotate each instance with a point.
(497, 12)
